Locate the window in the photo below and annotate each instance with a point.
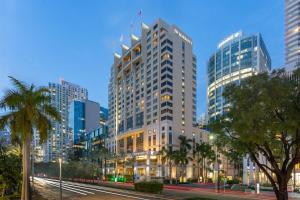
(154, 140)
(166, 48)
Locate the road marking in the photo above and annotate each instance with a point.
(57, 185)
(64, 186)
(92, 188)
(118, 194)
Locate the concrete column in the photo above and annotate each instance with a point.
(134, 143)
(245, 170)
(148, 178)
(251, 173)
(159, 167)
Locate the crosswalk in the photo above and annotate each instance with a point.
(85, 189)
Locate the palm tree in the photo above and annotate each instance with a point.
(181, 159)
(205, 154)
(184, 148)
(167, 155)
(28, 109)
(185, 143)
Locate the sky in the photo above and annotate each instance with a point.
(46, 40)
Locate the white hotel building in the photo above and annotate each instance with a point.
(152, 98)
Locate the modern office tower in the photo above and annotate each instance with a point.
(60, 138)
(292, 34)
(236, 58)
(96, 138)
(103, 115)
(83, 118)
(152, 96)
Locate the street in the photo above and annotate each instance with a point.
(49, 189)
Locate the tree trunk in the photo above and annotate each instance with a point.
(282, 193)
(170, 172)
(105, 168)
(26, 167)
(203, 170)
(199, 172)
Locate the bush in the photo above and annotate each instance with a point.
(237, 187)
(234, 181)
(209, 180)
(192, 180)
(152, 187)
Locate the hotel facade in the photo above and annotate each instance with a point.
(152, 99)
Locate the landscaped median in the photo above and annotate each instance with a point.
(151, 187)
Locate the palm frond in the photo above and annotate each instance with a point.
(51, 112)
(43, 126)
(11, 100)
(20, 85)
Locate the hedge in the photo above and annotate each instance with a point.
(152, 187)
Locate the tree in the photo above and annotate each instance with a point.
(181, 159)
(264, 120)
(184, 143)
(10, 169)
(28, 109)
(167, 156)
(205, 154)
(181, 156)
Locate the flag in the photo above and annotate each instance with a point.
(139, 13)
(121, 38)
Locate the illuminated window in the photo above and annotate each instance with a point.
(166, 97)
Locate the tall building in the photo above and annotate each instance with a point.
(103, 115)
(83, 118)
(152, 95)
(292, 34)
(60, 138)
(236, 58)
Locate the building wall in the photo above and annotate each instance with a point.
(77, 120)
(60, 138)
(152, 94)
(292, 33)
(92, 116)
(236, 58)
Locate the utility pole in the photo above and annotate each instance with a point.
(60, 182)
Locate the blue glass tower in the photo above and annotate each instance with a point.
(236, 58)
(77, 120)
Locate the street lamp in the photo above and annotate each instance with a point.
(217, 184)
(60, 182)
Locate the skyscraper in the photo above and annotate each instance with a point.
(60, 137)
(236, 58)
(152, 95)
(292, 34)
(83, 118)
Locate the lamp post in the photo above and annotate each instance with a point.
(60, 182)
(217, 185)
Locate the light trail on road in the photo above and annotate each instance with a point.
(79, 188)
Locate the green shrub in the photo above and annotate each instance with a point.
(237, 187)
(234, 181)
(152, 187)
(192, 180)
(209, 180)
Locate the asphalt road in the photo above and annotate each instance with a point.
(49, 189)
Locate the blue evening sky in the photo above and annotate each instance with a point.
(44, 40)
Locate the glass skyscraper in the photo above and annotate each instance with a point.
(236, 58)
(292, 33)
(60, 138)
